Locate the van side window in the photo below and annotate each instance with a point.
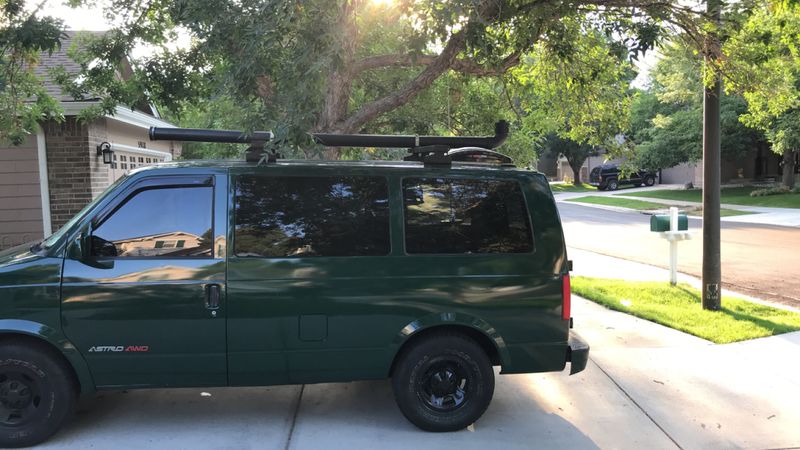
(279, 217)
(465, 216)
(174, 222)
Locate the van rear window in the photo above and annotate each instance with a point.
(278, 217)
(465, 216)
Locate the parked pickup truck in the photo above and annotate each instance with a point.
(607, 176)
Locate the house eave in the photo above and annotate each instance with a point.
(121, 114)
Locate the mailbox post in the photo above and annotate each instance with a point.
(673, 227)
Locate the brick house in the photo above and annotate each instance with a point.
(57, 171)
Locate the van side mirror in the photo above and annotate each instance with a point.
(100, 247)
(86, 245)
(86, 249)
(80, 248)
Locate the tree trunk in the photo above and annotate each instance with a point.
(334, 110)
(340, 80)
(788, 169)
(576, 174)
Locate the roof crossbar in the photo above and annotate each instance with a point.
(408, 141)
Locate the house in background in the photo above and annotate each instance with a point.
(760, 164)
(564, 171)
(57, 171)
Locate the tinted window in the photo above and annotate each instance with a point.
(311, 216)
(465, 216)
(158, 222)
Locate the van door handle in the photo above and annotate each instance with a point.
(212, 296)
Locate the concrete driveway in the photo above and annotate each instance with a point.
(646, 386)
(543, 411)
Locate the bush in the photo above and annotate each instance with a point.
(773, 191)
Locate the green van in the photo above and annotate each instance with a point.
(232, 273)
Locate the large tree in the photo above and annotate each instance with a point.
(762, 62)
(304, 63)
(574, 152)
(23, 100)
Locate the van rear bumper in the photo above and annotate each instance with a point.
(577, 353)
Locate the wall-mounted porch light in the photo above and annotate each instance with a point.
(104, 150)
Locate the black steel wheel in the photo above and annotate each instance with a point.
(20, 395)
(444, 382)
(37, 392)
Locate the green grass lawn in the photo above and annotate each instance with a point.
(735, 196)
(620, 202)
(679, 307)
(724, 212)
(569, 187)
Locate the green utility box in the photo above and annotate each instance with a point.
(660, 222)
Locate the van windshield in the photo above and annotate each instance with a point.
(55, 237)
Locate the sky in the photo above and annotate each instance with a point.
(88, 18)
(91, 18)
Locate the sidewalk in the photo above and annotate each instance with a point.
(785, 217)
(740, 395)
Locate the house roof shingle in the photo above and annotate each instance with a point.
(60, 58)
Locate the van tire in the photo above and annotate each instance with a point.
(444, 382)
(612, 185)
(37, 392)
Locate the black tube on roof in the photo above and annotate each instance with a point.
(204, 135)
(407, 141)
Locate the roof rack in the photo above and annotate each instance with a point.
(431, 150)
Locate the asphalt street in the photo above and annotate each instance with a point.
(758, 260)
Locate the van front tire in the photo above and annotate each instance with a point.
(37, 393)
(443, 383)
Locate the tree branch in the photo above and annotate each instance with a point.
(464, 66)
(436, 68)
(487, 11)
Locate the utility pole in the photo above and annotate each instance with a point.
(712, 271)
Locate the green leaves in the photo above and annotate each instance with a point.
(666, 120)
(298, 64)
(582, 96)
(23, 100)
(763, 64)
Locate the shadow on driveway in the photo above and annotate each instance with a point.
(551, 410)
